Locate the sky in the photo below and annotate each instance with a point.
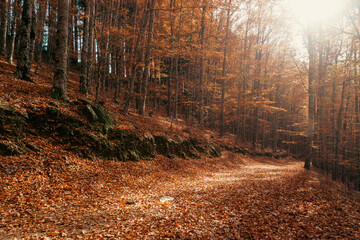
(312, 13)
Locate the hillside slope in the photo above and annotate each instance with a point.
(56, 180)
(87, 127)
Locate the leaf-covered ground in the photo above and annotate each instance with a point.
(50, 196)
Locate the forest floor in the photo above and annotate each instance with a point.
(55, 194)
(231, 197)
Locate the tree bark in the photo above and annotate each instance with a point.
(226, 42)
(23, 64)
(14, 26)
(61, 53)
(32, 35)
(147, 59)
(311, 103)
(130, 93)
(41, 20)
(4, 26)
(177, 81)
(202, 63)
(85, 54)
(171, 68)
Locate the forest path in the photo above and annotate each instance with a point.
(255, 199)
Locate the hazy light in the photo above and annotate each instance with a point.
(315, 11)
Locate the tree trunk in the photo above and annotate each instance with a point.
(222, 128)
(275, 121)
(61, 53)
(311, 106)
(4, 26)
(130, 93)
(32, 35)
(91, 48)
(76, 37)
(171, 68)
(41, 23)
(51, 32)
(256, 92)
(177, 81)
(242, 89)
(23, 64)
(147, 59)
(202, 63)
(14, 26)
(85, 53)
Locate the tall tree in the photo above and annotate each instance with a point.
(41, 21)
(226, 42)
(177, 81)
(61, 52)
(311, 95)
(14, 26)
(24, 48)
(134, 64)
(4, 26)
(202, 63)
(32, 34)
(146, 74)
(171, 67)
(85, 53)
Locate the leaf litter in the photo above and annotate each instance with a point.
(233, 197)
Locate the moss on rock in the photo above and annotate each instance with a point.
(53, 111)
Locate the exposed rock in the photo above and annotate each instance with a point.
(89, 113)
(95, 112)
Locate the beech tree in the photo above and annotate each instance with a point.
(87, 46)
(24, 47)
(224, 69)
(61, 52)
(4, 26)
(204, 6)
(14, 26)
(311, 92)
